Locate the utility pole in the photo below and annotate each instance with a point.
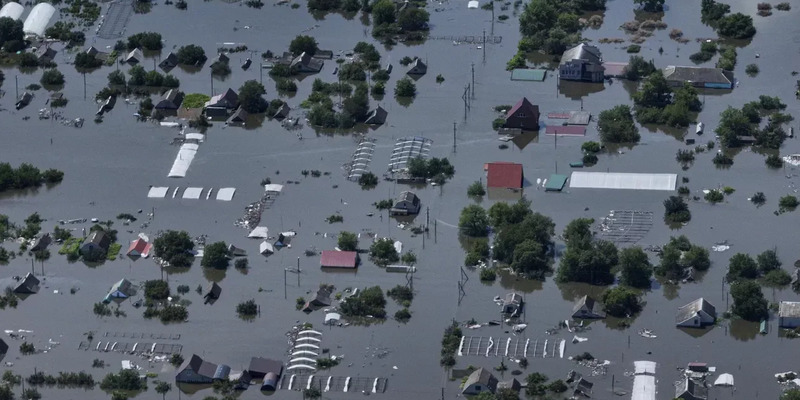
(84, 85)
(211, 75)
(484, 43)
(473, 77)
(454, 136)
(16, 88)
(284, 284)
(298, 272)
(261, 73)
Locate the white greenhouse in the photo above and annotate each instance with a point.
(38, 19)
(12, 10)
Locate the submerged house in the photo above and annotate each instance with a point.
(512, 304)
(28, 285)
(268, 370)
(696, 314)
(282, 112)
(45, 54)
(305, 63)
(41, 243)
(582, 63)
(139, 248)
(169, 62)
(418, 68)
(24, 99)
(338, 259)
(702, 77)
(213, 292)
(219, 105)
(479, 381)
(504, 175)
(171, 101)
(377, 116)
(96, 243)
(239, 117)
(689, 389)
(587, 308)
(198, 371)
(789, 314)
(121, 290)
(322, 299)
(134, 57)
(523, 115)
(3, 347)
(407, 204)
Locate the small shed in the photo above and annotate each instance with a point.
(407, 204)
(789, 314)
(28, 285)
(267, 369)
(266, 248)
(377, 116)
(512, 304)
(696, 314)
(24, 99)
(282, 112)
(139, 248)
(227, 100)
(134, 57)
(511, 384)
(41, 243)
(213, 292)
(587, 308)
(169, 62)
(479, 381)
(528, 74)
(505, 175)
(322, 299)
(339, 259)
(45, 54)
(223, 58)
(555, 183)
(239, 117)
(121, 290)
(171, 101)
(418, 68)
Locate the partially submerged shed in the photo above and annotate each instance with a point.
(121, 290)
(689, 389)
(480, 381)
(789, 314)
(213, 292)
(376, 116)
(171, 101)
(28, 285)
(406, 204)
(239, 117)
(418, 68)
(198, 371)
(134, 57)
(587, 308)
(267, 369)
(169, 62)
(282, 112)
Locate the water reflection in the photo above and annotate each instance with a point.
(521, 141)
(696, 332)
(578, 90)
(743, 330)
(510, 281)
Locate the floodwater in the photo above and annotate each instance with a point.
(109, 167)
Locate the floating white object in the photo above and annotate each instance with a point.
(273, 188)
(473, 4)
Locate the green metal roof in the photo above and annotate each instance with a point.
(555, 183)
(525, 74)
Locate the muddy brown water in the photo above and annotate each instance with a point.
(109, 167)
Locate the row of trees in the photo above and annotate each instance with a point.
(552, 25)
(138, 76)
(737, 25)
(388, 20)
(26, 175)
(736, 123)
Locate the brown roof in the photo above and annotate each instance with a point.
(504, 175)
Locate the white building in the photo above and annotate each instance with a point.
(12, 10)
(38, 19)
(696, 314)
(789, 314)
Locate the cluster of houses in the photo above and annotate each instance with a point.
(196, 370)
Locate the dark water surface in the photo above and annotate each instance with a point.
(109, 167)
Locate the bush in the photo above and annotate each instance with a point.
(676, 210)
(156, 290)
(383, 252)
(784, 6)
(590, 147)
(52, 77)
(285, 85)
(616, 125)
(247, 308)
(722, 160)
(788, 203)
(774, 161)
(368, 180)
(621, 302)
(405, 88)
(127, 380)
(402, 315)
(369, 302)
(145, 41)
(303, 44)
(220, 68)
(347, 241)
(401, 294)
(84, 60)
(476, 189)
(758, 199)
(634, 48)
(488, 274)
(714, 196)
(751, 69)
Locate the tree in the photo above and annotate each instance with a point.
(145, 41)
(748, 301)
(635, 268)
(529, 258)
(476, 190)
(616, 125)
(651, 5)
(247, 308)
(535, 384)
(137, 76)
(250, 97)
(156, 290)
(676, 210)
(670, 266)
(383, 251)
(537, 16)
(413, 19)
(215, 255)
(733, 124)
(191, 55)
(589, 262)
(741, 266)
(737, 26)
(791, 394)
(638, 68)
(408, 258)
(768, 261)
(348, 241)
(312, 393)
(52, 77)
(473, 221)
(696, 257)
(162, 388)
(578, 231)
(405, 88)
(621, 302)
(655, 91)
(356, 106)
(84, 61)
(5, 391)
(383, 12)
(116, 78)
(174, 247)
(303, 44)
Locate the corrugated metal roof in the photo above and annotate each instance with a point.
(527, 74)
(555, 183)
(504, 175)
(38, 19)
(338, 259)
(617, 180)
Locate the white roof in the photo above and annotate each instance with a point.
(273, 188)
(266, 248)
(724, 380)
(183, 160)
(644, 387)
(169, 124)
(12, 10)
(157, 192)
(618, 180)
(225, 194)
(195, 136)
(644, 367)
(38, 19)
(260, 232)
(473, 4)
(332, 317)
(398, 245)
(192, 193)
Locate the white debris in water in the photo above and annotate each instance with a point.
(720, 248)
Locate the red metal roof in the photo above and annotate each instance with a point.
(504, 175)
(139, 247)
(565, 130)
(338, 259)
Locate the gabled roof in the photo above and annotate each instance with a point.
(688, 389)
(260, 366)
(199, 366)
(338, 259)
(172, 100)
(282, 112)
(135, 56)
(525, 106)
(139, 247)
(30, 284)
(504, 175)
(690, 310)
(305, 61)
(696, 74)
(513, 298)
(42, 242)
(213, 291)
(98, 238)
(582, 51)
(589, 304)
(377, 116)
(482, 376)
(408, 196)
(238, 117)
(44, 52)
(418, 68)
(123, 288)
(3, 347)
(228, 99)
(169, 62)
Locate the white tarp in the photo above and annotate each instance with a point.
(12, 10)
(195, 136)
(619, 180)
(225, 194)
(157, 192)
(38, 19)
(260, 232)
(266, 248)
(644, 367)
(183, 160)
(273, 188)
(332, 318)
(473, 4)
(724, 380)
(192, 193)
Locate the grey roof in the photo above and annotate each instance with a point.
(260, 366)
(323, 297)
(582, 51)
(3, 347)
(99, 238)
(688, 389)
(30, 284)
(223, 58)
(690, 310)
(306, 63)
(169, 62)
(377, 116)
(239, 116)
(229, 99)
(42, 242)
(92, 51)
(135, 56)
(695, 74)
(512, 384)
(418, 68)
(513, 298)
(199, 366)
(408, 196)
(789, 309)
(483, 377)
(589, 303)
(123, 286)
(172, 100)
(213, 291)
(282, 112)
(44, 52)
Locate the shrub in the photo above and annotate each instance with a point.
(285, 85)
(368, 180)
(722, 159)
(784, 6)
(714, 196)
(247, 308)
(758, 198)
(773, 161)
(405, 88)
(476, 189)
(788, 203)
(634, 48)
(488, 274)
(752, 69)
(402, 315)
(590, 147)
(52, 77)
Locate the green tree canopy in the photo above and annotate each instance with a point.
(215, 255)
(383, 12)
(303, 44)
(250, 97)
(347, 241)
(10, 30)
(621, 302)
(616, 125)
(635, 268)
(737, 26)
(413, 19)
(383, 251)
(530, 259)
(696, 257)
(473, 221)
(741, 266)
(768, 261)
(748, 301)
(191, 55)
(733, 124)
(174, 247)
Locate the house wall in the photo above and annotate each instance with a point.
(789, 322)
(570, 71)
(525, 121)
(189, 376)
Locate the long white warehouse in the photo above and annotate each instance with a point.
(12, 10)
(38, 19)
(619, 180)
